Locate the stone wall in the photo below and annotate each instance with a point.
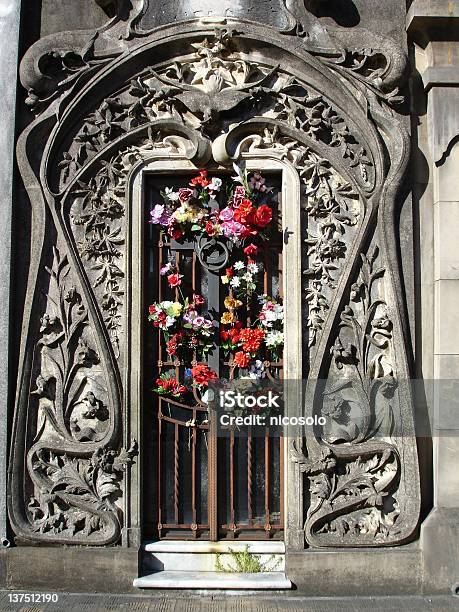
(427, 558)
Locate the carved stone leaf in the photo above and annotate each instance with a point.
(106, 485)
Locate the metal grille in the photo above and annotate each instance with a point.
(207, 487)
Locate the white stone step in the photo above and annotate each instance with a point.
(203, 562)
(222, 546)
(213, 580)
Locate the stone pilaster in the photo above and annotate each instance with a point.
(433, 29)
(9, 45)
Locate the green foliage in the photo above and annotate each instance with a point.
(244, 562)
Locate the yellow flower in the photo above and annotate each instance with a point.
(225, 280)
(227, 318)
(176, 309)
(232, 303)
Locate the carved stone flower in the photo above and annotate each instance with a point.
(49, 323)
(85, 355)
(382, 323)
(342, 354)
(355, 292)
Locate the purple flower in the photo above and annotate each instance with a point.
(165, 269)
(159, 215)
(190, 316)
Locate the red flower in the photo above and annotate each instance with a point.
(174, 280)
(251, 339)
(152, 309)
(185, 194)
(229, 272)
(171, 385)
(171, 347)
(175, 233)
(263, 215)
(202, 374)
(210, 229)
(248, 230)
(201, 180)
(241, 360)
(224, 335)
(198, 299)
(251, 249)
(234, 334)
(245, 213)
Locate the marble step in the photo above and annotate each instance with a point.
(222, 546)
(203, 562)
(213, 580)
(202, 556)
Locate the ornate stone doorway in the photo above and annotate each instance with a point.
(218, 92)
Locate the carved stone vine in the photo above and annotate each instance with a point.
(199, 90)
(353, 482)
(98, 220)
(73, 489)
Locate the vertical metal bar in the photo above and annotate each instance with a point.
(212, 485)
(176, 473)
(232, 513)
(193, 478)
(160, 518)
(249, 477)
(281, 479)
(193, 273)
(267, 482)
(213, 305)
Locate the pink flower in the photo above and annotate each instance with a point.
(186, 194)
(232, 228)
(226, 214)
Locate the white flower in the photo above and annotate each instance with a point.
(171, 194)
(274, 338)
(239, 265)
(166, 304)
(253, 268)
(215, 185)
(235, 281)
(248, 277)
(170, 321)
(257, 370)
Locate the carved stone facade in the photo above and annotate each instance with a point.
(210, 85)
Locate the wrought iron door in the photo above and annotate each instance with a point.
(206, 486)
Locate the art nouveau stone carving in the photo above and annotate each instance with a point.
(109, 101)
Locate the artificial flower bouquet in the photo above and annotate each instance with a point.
(251, 326)
(187, 213)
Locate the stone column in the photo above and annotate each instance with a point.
(9, 45)
(433, 27)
